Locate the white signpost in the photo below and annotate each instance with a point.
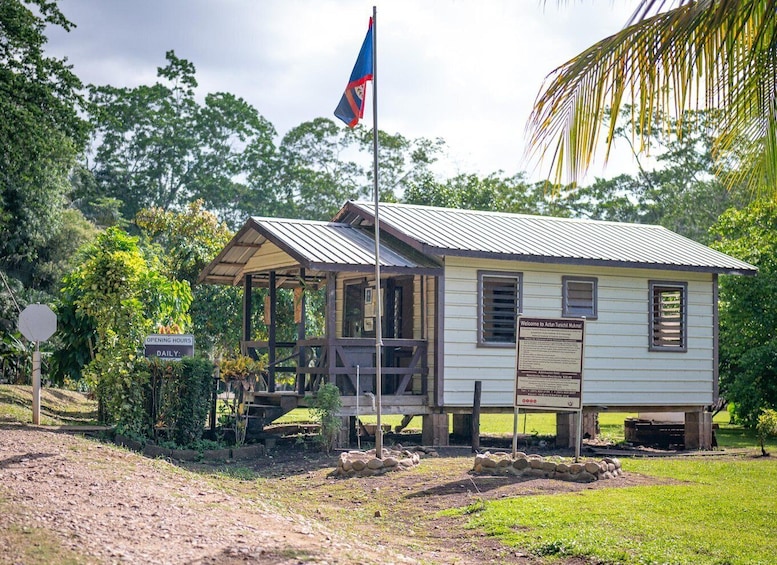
(37, 323)
(549, 368)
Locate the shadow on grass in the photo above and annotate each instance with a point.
(475, 485)
(86, 417)
(282, 461)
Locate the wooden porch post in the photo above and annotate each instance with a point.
(247, 308)
(439, 341)
(301, 335)
(271, 333)
(331, 322)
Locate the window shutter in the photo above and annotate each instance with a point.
(668, 317)
(499, 309)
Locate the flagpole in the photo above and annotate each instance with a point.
(378, 301)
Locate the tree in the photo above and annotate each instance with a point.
(493, 192)
(680, 192)
(748, 313)
(40, 132)
(188, 241)
(694, 55)
(110, 302)
(316, 171)
(402, 162)
(322, 165)
(157, 146)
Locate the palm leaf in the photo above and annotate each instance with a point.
(703, 54)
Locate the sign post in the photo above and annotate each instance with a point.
(549, 368)
(37, 323)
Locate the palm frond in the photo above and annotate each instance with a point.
(697, 54)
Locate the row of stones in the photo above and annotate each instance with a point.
(152, 450)
(536, 466)
(367, 464)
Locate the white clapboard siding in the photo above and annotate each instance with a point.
(619, 368)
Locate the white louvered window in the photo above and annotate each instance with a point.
(579, 297)
(499, 298)
(668, 316)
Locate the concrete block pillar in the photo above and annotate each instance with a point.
(698, 430)
(590, 425)
(343, 440)
(462, 427)
(566, 428)
(435, 429)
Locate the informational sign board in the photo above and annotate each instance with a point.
(549, 363)
(169, 347)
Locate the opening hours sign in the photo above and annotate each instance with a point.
(549, 363)
(169, 347)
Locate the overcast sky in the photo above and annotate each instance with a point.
(464, 70)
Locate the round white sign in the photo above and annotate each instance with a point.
(37, 322)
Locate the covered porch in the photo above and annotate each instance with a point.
(328, 270)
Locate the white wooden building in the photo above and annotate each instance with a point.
(454, 282)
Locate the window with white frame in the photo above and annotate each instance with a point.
(499, 299)
(668, 316)
(579, 297)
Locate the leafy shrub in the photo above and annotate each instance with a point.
(180, 397)
(326, 408)
(123, 390)
(766, 427)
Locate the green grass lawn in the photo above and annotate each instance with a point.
(58, 406)
(543, 424)
(724, 512)
(531, 423)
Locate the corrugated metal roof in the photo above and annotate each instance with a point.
(317, 246)
(447, 231)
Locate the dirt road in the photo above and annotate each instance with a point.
(69, 499)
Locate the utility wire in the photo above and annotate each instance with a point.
(10, 292)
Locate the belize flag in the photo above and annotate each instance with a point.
(351, 106)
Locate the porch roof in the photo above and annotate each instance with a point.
(286, 245)
(472, 233)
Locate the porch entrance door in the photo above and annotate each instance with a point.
(397, 324)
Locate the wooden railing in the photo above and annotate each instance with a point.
(348, 363)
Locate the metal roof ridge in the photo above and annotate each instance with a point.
(268, 219)
(369, 206)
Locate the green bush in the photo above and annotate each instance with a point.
(326, 408)
(180, 397)
(123, 392)
(766, 427)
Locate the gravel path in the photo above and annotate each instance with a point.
(108, 505)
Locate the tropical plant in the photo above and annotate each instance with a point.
(326, 409)
(241, 374)
(240, 368)
(696, 54)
